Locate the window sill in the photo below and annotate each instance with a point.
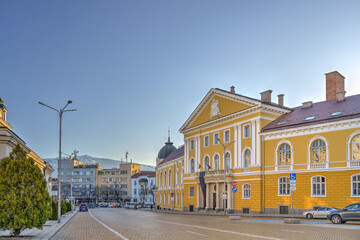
(283, 195)
(245, 198)
(355, 196)
(317, 195)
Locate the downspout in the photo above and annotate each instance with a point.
(263, 173)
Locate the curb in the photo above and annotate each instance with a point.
(53, 232)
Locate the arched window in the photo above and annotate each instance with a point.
(160, 198)
(318, 151)
(216, 162)
(355, 148)
(355, 185)
(318, 186)
(207, 163)
(284, 154)
(165, 179)
(191, 192)
(247, 158)
(227, 160)
(284, 186)
(246, 191)
(170, 177)
(192, 165)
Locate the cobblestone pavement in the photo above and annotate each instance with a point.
(137, 224)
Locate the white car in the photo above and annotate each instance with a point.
(129, 205)
(319, 213)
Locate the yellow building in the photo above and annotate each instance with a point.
(234, 140)
(8, 140)
(169, 177)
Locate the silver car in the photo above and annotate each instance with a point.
(319, 213)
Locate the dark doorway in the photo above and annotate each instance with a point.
(214, 201)
(284, 209)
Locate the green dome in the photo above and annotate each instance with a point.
(166, 150)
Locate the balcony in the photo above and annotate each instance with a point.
(218, 172)
(354, 163)
(318, 165)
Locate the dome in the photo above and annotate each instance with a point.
(166, 150)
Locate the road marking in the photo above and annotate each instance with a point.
(292, 231)
(219, 230)
(196, 233)
(110, 229)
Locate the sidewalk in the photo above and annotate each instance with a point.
(49, 229)
(221, 213)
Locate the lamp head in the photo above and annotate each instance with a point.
(69, 102)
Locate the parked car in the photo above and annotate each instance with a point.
(115, 205)
(319, 213)
(92, 205)
(83, 207)
(130, 205)
(103, 205)
(349, 213)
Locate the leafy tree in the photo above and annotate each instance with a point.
(24, 200)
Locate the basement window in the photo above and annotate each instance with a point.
(310, 118)
(334, 114)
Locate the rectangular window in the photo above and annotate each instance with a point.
(206, 141)
(247, 130)
(227, 136)
(216, 138)
(192, 144)
(318, 186)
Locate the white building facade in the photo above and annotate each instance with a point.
(142, 188)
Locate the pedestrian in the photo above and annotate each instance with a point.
(151, 207)
(135, 207)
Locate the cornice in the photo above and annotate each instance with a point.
(312, 129)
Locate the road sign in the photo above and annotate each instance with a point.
(293, 187)
(234, 189)
(172, 194)
(292, 181)
(172, 198)
(234, 184)
(292, 176)
(224, 196)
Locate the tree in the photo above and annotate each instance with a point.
(24, 200)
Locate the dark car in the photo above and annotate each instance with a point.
(349, 213)
(83, 207)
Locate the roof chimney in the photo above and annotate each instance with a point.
(334, 84)
(266, 96)
(281, 99)
(340, 96)
(307, 104)
(232, 89)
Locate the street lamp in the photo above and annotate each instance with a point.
(60, 112)
(225, 146)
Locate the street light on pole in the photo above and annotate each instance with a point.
(60, 112)
(225, 146)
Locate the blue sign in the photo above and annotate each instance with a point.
(234, 189)
(292, 176)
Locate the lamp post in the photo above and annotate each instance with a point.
(71, 192)
(225, 146)
(60, 112)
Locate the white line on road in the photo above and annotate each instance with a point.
(220, 230)
(110, 229)
(285, 230)
(196, 233)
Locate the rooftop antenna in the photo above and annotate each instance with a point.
(168, 134)
(126, 156)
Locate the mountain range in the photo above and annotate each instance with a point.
(104, 163)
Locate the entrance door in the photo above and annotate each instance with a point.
(214, 201)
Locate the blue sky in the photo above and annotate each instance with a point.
(133, 68)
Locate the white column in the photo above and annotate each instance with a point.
(185, 155)
(253, 147)
(235, 156)
(217, 196)
(258, 154)
(198, 196)
(207, 196)
(239, 146)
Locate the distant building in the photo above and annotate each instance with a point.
(114, 185)
(8, 140)
(65, 175)
(142, 187)
(84, 182)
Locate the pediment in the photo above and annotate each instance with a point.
(217, 104)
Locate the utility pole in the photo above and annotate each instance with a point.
(227, 195)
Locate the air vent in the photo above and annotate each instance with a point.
(281, 123)
(334, 114)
